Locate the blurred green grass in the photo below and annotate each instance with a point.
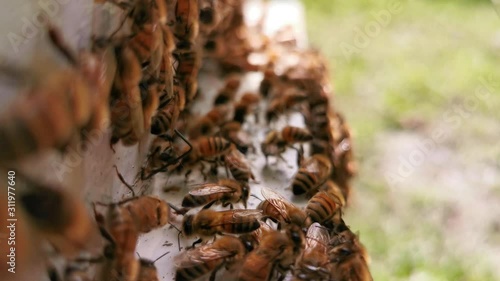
(429, 58)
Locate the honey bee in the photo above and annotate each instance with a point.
(148, 271)
(325, 208)
(206, 124)
(126, 114)
(167, 115)
(348, 258)
(238, 166)
(232, 131)
(166, 74)
(225, 192)
(313, 261)
(198, 262)
(332, 188)
(280, 210)
(211, 14)
(228, 92)
(74, 94)
(120, 229)
(317, 118)
(186, 25)
(284, 102)
(147, 18)
(345, 166)
(162, 156)
(206, 149)
(188, 64)
(148, 212)
(60, 217)
(311, 174)
(253, 239)
(267, 82)
(277, 142)
(244, 106)
(208, 222)
(276, 252)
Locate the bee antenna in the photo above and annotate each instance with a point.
(177, 209)
(255, 196)
(161, 257)
(120, 176)
(187, 142)
(138, 254)
(57, 40)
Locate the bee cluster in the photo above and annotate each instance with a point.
(142, 80)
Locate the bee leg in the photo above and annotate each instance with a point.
(212, 275)
(114, 140)
(202, 171)
(213, 170)
(186, 175)
(228, 204)
(196, 242)
(209, 204)
(227, 171)
(284, 160)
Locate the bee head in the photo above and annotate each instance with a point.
(245, 192)
(188, 225)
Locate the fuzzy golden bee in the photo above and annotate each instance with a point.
(148, 212)
(313, 172)
(196, 263)
(228, 92)
(163, 156)
(238, 166)
(232, 131)
(276, 252)
(348, 258)
(325, 208)
(119, 228)
(225, 191)
(281, 104)
(313, 261)
(276, 142)
(205, 149)
(206, 124)
(247, 104)
(280, 210)
(74, 93)
(208, 222)
(186, 24)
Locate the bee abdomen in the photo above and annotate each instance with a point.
(195, 201)
(303, 182)
(244, 227)
(161, 121)
(188, 274)
(294, 134)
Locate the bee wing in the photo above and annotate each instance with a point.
(199, 256)
(210, 188)
(234, 216)
(317, 234)
(278, 201)
(311, 165)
